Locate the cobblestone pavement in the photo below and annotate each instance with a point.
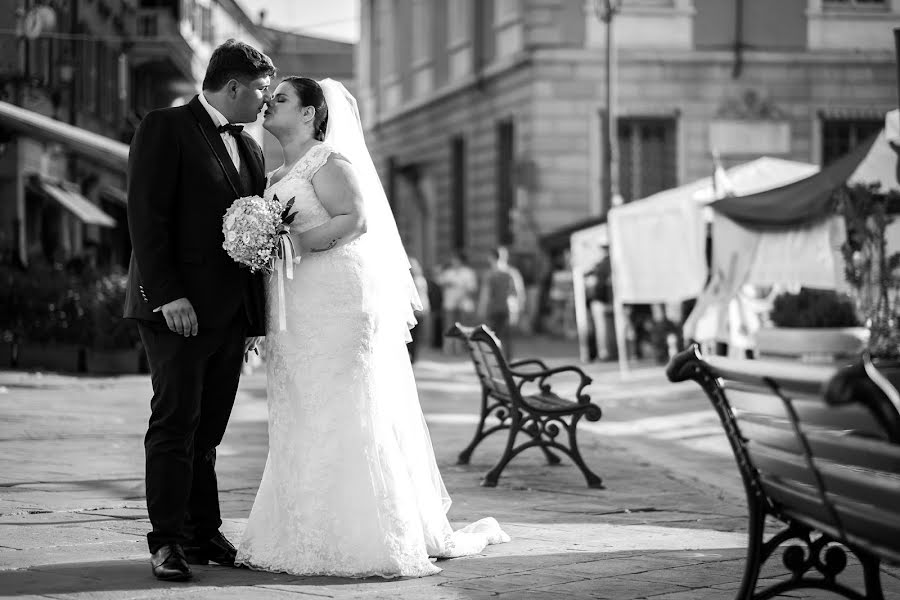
(669, 525)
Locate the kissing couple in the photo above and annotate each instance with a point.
(351, 487)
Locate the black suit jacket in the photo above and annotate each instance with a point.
(181, 180)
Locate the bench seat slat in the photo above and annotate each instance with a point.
(878, 523)
(860, 484)
(802, 501)
(853, 450)
(549, 402)
(773, 462)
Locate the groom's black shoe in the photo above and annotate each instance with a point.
(217, 549)
(169, 563)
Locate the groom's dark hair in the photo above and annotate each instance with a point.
(236, 60)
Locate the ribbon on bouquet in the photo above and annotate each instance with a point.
(284, 267)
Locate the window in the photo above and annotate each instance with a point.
(840, 136)
(89, 74)
(458, 191)
(206, 33)
(647, 156)
(102, 80)
(40, 58)
(386, 47)
(505, 189)
(855, 3)
(421, 33)
(506, 11)
(458, 21)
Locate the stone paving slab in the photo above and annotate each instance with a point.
(667, 526)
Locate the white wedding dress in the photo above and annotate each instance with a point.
(350, 487)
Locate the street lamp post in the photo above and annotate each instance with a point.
(606, 11)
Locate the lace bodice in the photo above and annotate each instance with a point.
(297, 184)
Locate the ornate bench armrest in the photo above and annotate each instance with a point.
(684, 365)
(544, 375)
(528, 361)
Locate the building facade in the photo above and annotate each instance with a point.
(487, 122)
(99, 65)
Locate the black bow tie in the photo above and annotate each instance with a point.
(231, 128)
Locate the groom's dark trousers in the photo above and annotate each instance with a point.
(181, 180)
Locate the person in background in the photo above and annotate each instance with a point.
(562, 299)
(436, 303)
(598, 292)
(502, 298)
(421, 329)
(459, 283)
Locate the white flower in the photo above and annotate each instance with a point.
(229, 222)
(246, 238)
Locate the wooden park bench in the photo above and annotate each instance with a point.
(540, 414)
(818, 448)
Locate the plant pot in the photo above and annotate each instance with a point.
(7, 353)
(112, 362)
(65, 358)
(811, 345)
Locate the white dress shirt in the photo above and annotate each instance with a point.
(230, 143)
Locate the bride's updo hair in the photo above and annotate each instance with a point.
(311, 94)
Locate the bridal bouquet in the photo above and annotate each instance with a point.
(253, 227)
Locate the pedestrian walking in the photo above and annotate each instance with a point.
(502, 298)
(460, 284)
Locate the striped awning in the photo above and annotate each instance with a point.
(86, 211)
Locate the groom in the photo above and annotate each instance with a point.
(198, 313)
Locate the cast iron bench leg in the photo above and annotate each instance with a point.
(465, 455)
(871, 575)
(593, 480)
(755, 556)
(490, 479)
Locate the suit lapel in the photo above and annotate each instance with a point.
(250, 152)
(214, 140)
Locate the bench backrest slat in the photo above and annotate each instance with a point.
(753, 399)
(489, 369)
(490, 365)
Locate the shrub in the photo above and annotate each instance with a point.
(814, 308)
(47, 304)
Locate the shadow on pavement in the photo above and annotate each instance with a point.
(135, 575)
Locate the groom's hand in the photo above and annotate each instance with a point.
(180, 317)
(250, 346)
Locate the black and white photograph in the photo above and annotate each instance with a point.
(450, 299)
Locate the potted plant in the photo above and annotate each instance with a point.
(48, 320)
(812, 326)
(870, 270)
(114, 345)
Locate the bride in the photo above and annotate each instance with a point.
(351, 487)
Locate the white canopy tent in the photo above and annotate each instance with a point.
(658, 244)
(747, 254)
